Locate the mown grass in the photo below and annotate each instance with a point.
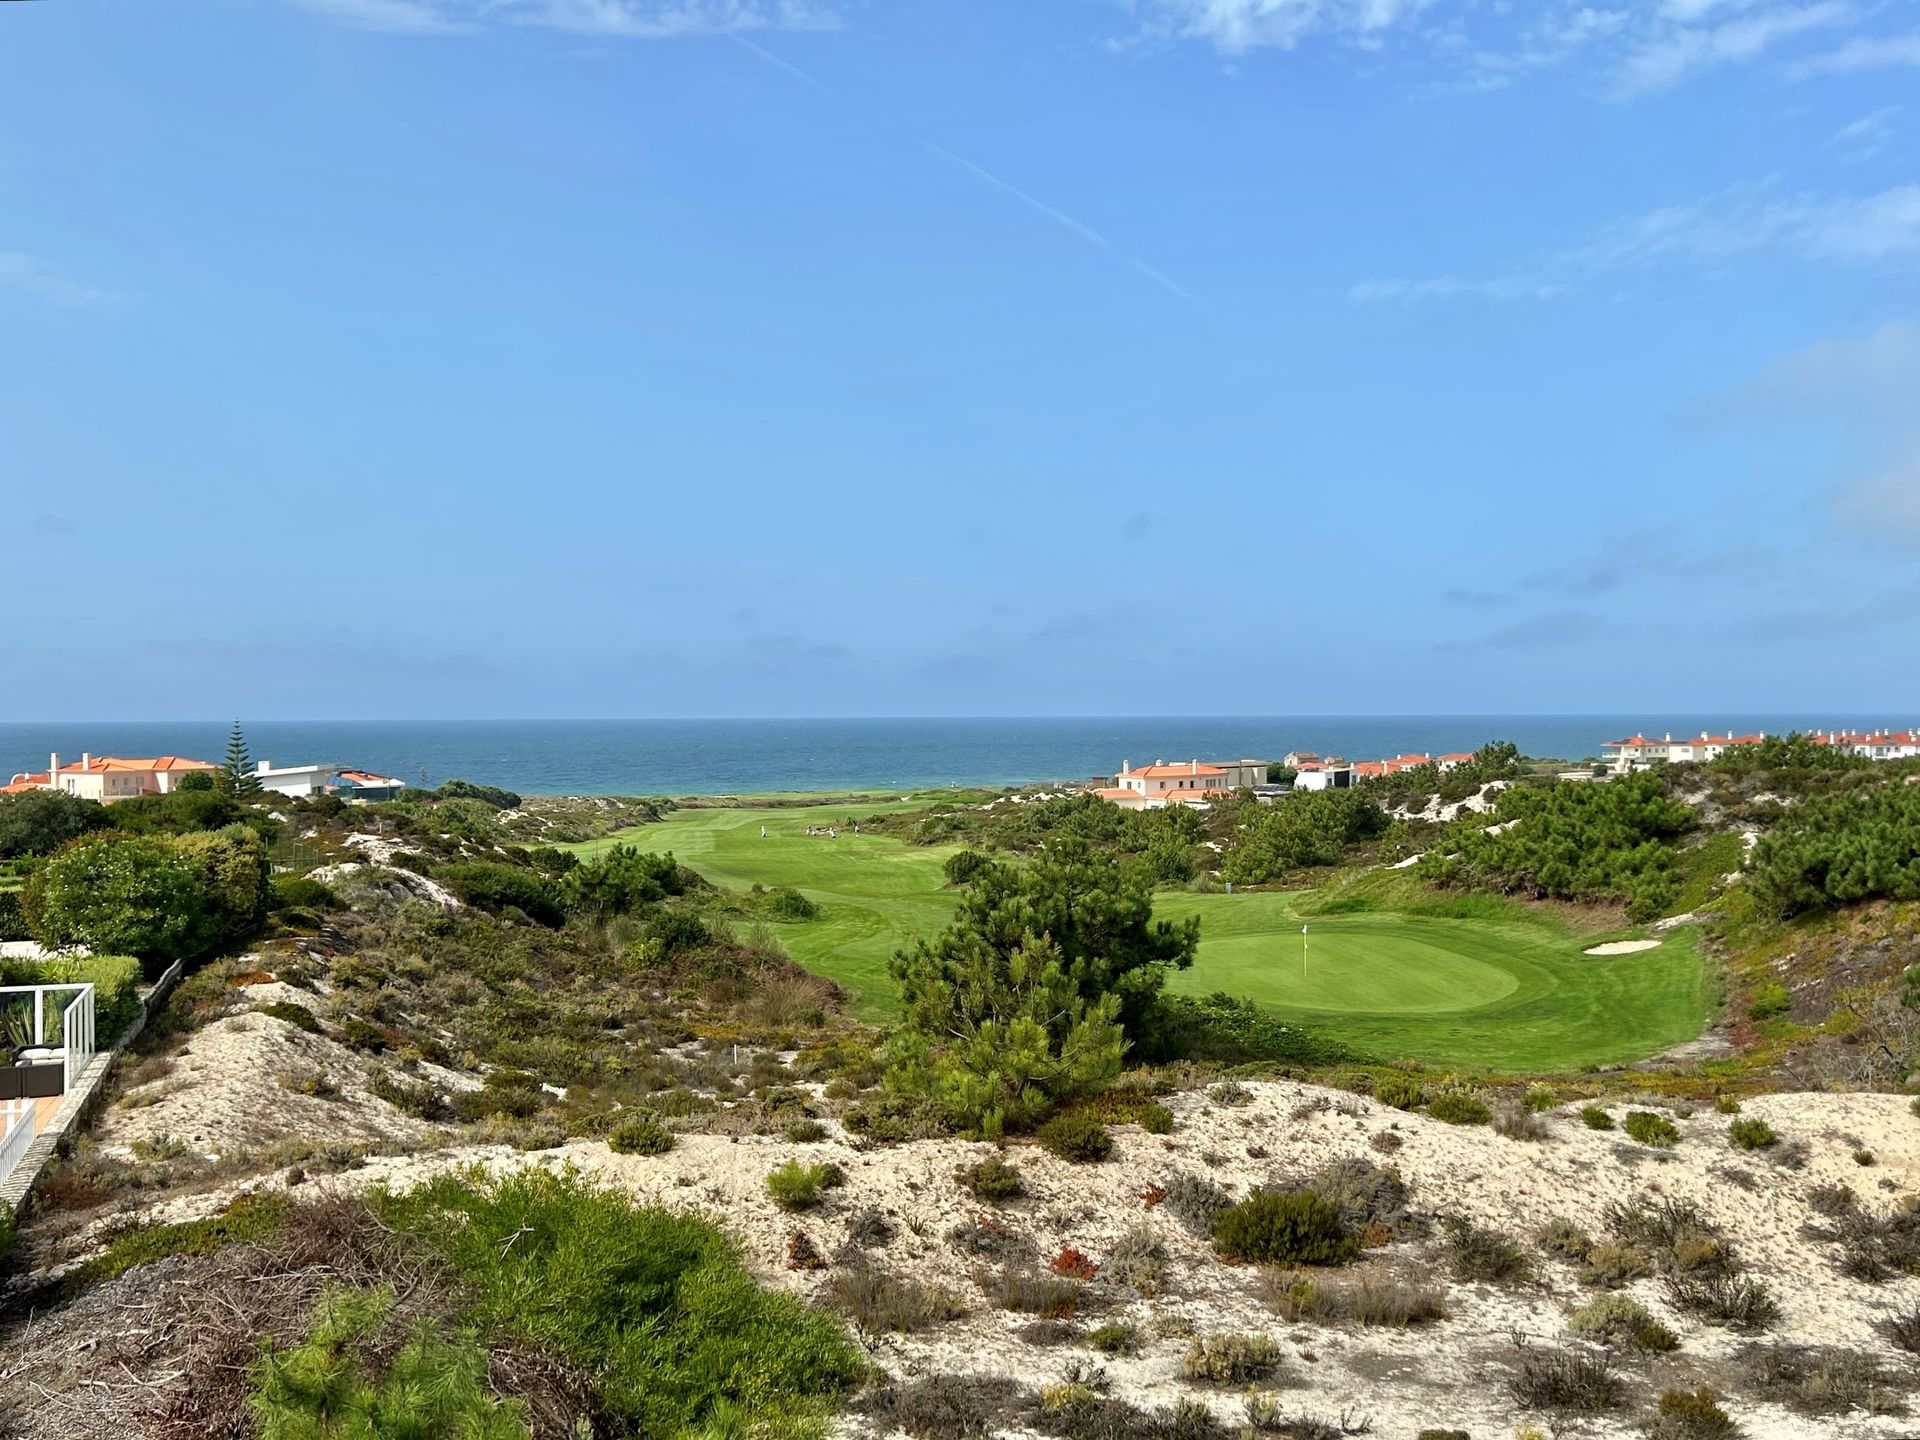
(1473, 982)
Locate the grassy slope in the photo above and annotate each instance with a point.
(1504, 990)
(877, 893)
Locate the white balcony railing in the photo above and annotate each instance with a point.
(16, 1134)
(61, 1020)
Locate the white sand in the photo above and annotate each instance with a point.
(1449, 1374)
(1622, 947)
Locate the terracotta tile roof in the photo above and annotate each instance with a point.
(1162, 770)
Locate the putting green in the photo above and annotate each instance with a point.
(1509, 994)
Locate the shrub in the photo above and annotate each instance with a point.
(942, 1407)
(1029, 1291)
(653, 1304)
(1726, 1105)
(1457, 1107)
(1751, 1134)
(963, 865)
(1594, 1118)
(1821, 1381)
(499, 888)
(1621, 1322)
(1480, 1254)
(881, 1303)
(1733, 1302)
(1115, 1338)
(1517, 1122)
(992, 1179)
(297, 1016)
(38, 822)
(1560, 1236)
(122, 894)
(309, 1082)
(1138, 1261)
(1369, 1300)
(1566, 1380)
(1651, 1129)
(433, 1385)
(1077, 1136)
(1402, 1092)
(795, 1186)
(640, 1135)
(1194, 1201)
(1691, 1415)
(1609, 1267)
(1284, 1227)
(1902, 1329)
(1230, 1092)
(249, 1218)
(1230, 1359)
(806, 1132)
(1155, 1119)
(1539, 1098)
(300, 892)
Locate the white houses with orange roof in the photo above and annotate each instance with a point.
(108, 778)
(1152, 787)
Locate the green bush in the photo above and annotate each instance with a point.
(1595, 1118)
(121, 894)
(1077, 1136)
(38, 822)
(654, 1304)
(621, 880)
(1749, 1134)
(320, 1389)
(787, 903)
(1651, 1129)
(1284, 1227)
(498, 888)
(1692, 1415)
(1457, 1107)
(298, 1016)
(640, 1135)
(1769, 1001)
(963, 865)
(13, 919)
(301, 892)
(795, 1186)
(992, 1179)
(250, 1218)
(1156, 1119)
(1232, 1030)
(1402, 1092)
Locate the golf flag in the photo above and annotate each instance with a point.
(1303, 929)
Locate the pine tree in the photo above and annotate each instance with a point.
(236, 771)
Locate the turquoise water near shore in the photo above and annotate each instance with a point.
(732, 757)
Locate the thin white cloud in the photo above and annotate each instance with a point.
(620, 19)
(1740, 220)
(1864, 387)
(27, 275)
(1059, 217)
(1236, 26)
(1868, 53)
(669, 19)
(1663, 60)
(1623, 47)
(1867, 136)
(393, 17)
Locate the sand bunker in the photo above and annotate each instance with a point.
(1623, 947)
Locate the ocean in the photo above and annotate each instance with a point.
(733, 757)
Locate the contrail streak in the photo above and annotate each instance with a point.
(1059, 217)
(981, 173)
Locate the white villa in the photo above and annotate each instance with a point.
(108, 778)
(1155, 786)
(1636, 752)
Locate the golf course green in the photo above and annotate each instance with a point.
(1509, 993)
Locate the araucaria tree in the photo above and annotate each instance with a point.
(1033, 996)
(236, 771)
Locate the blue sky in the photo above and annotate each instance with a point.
(423, 358)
